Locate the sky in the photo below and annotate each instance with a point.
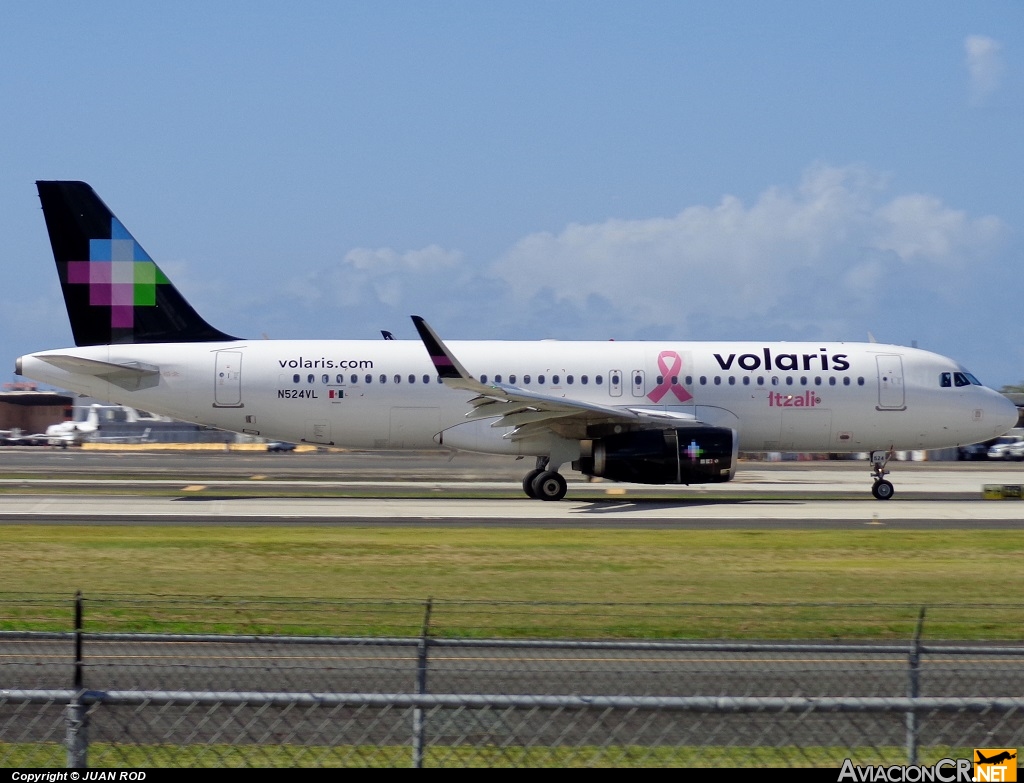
(522, 170)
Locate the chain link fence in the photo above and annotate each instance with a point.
(115, 698)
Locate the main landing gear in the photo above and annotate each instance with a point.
(544, 484)
(881, 489)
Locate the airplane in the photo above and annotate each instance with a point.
(64, 434)
(658, 412)
(996, 759)
(74, 433)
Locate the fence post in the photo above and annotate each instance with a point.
(914, 689)
(418, 723)
(76, 738)
(78, 679)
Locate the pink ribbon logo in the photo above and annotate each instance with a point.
(670, 378)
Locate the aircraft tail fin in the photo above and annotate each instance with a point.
(113, 290)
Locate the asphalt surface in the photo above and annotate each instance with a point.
(374, 488)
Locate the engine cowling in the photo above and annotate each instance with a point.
(688, 455)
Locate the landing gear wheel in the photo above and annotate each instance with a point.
(549, 485)
(528, 482)
(883, 490)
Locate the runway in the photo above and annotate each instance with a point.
(446, 512)
(357, 489)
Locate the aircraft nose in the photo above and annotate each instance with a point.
(1005, 413)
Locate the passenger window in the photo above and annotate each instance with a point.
(846, 381)
(383, 378)
(760, 380)
(732, 381)
(310, 378)
(295, 378)
(526, 379)
(540, 379)
(775, 380)
(369, 378)
(412, 379)
(497, 378)
(325, 378)
(817, 380)
(660, 380)
(803, 380)
(511, 379)
(746, 380)
(584, 380)
(689, 380)
(615, 380)
(789, 380)
(598, 379)
(398, 379)
(426, 379)
(339, 378)
(554, 380)
(945, 380)
(568, 379)
(354, 378)
(703, 380)
(483, 378)
(860, 381)
(718, 380)
(832, 381)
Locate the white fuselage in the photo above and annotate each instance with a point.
(385, 394)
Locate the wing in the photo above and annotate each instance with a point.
(528, 411)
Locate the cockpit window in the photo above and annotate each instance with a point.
(945, 380)
(960, 379)
(974, 381)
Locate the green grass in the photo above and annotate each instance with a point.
(519, 582)
(484, 755)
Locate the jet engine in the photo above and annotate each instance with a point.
(687, 455)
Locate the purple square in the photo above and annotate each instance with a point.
(122, 316)
(99, 273)
(123, 295)
(99, 295)
(78, 271)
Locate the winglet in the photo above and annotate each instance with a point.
(447, 366)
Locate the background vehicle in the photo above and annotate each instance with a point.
(975, 451)
(280, 446)
(1015, 451)
(1001, 448)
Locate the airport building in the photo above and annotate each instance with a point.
(23, 408)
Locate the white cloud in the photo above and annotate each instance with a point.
(812, 255)
(821, 260)
(984, 66)
(383, 276)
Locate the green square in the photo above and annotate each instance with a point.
(145, 295)
(144, 273)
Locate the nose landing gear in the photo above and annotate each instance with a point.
(881, 489)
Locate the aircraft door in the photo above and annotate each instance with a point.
(615, 383)
(891, 395)
(638, 384)
(227, 380)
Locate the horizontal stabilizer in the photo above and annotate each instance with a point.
(130, 376)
